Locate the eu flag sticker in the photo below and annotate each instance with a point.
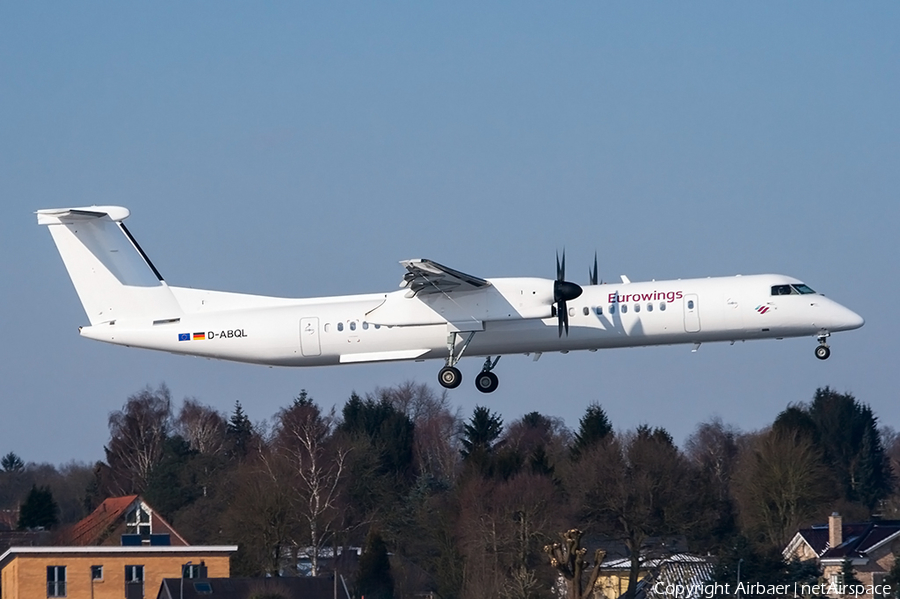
(184, 336)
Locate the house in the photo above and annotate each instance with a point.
(654, 577)
(118, 516)
(245, 588)
(870, 547)
(122, 549)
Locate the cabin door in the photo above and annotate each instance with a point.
(309, 337)
(691, 313)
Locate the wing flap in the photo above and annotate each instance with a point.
(426, 276)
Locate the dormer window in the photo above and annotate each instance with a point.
(137, 521)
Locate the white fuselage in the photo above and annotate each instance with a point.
(366, 328)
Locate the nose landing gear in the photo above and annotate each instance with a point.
(823, 351)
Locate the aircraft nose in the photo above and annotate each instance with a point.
(848, 320)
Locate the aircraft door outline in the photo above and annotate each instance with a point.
(691, 313)
(309, 337)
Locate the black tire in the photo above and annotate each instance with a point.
(822, 352)
(450, 377)
(486, 382)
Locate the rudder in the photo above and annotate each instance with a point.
(113, 277)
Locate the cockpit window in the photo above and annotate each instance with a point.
(783, 290)
(803, 289)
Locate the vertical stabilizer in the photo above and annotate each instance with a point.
(113, 277)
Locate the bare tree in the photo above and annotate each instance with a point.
(634, 487)
(304, 436)
(202, 427)
(502, 527)
(567, 558)
(260, 515)
(437, 426)
(137, 434)
(781, 484)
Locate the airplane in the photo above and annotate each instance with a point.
(438, 312)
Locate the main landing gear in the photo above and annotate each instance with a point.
(450, 377)
(487, 381)
(823, 351)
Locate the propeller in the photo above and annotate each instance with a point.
(593, 273)
(563, 291)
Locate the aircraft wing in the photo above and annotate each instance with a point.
(426, 277)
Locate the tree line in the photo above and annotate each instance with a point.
(470, 505)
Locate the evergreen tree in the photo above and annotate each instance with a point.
(373, 579)
(848, 574)
(239, 433)
(480, 432)
(893, 579)
(848, 433)
(593, 427)
(39, 510)
(12, 463)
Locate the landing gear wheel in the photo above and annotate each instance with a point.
(486, 382)
(822, 352)
(450, 377)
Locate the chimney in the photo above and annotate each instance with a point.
(835, 530)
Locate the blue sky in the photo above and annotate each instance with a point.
(304, 149)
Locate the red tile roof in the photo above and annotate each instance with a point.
(93, 529)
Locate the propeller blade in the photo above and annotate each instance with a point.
(563, 319)
(563, 291)
(593, 273)
(561, 268)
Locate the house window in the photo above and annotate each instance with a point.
(96, 572)
(56, 581)
(134, 582)
(137, 522)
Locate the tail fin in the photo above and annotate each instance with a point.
(113, 277)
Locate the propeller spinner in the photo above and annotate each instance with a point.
(563, 291)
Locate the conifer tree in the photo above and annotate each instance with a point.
(39, 510)
(12, 463)
(374, 580)
(593, 427)
(239, 432)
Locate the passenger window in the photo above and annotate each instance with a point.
(624, 308)
(327, 327)
(599, 310)
(377, 326)
(690, 304)
(662, 306)
(353, 325)
(649, 307)
(586, 311)
(365, 326)
(340, 326)
(612, 308)
(571, 311)
(637, 307)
